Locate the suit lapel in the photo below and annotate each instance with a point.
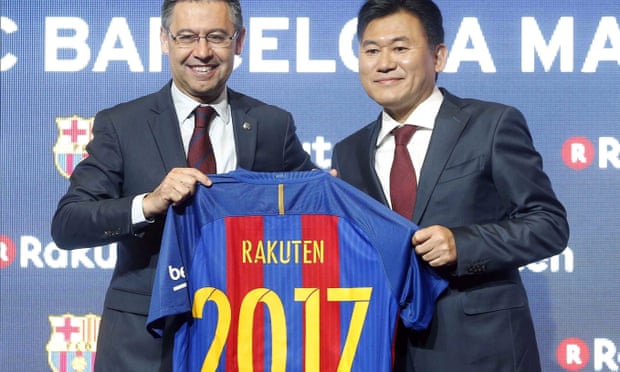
(367, 159)
(245, 128)
(164, 126)
(166, 132)
(450, 122)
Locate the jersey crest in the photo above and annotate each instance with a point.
(73, 342)
(74, 133)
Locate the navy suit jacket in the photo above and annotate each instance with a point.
(135, 145)
(483, 179)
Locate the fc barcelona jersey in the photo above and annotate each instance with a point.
(295, 271)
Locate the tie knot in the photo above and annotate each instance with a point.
(403, 134)
(203, 116)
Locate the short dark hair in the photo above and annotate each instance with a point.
(425, 10)
(236, 17)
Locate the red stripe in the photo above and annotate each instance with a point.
(242, 278)
(62, 367)
(70, 167)
(323, 276)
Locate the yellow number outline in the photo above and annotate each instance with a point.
(311, 299)
(223, 323)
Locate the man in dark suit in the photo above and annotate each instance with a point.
(137, 168)
(483, 201)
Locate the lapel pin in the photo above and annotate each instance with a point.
(247, 126)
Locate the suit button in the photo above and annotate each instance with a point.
(111, 233)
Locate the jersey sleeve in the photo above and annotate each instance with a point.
(422, 288)
(170, 294)
(415, 285)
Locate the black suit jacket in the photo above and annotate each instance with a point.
(482, 178)
(135, 145)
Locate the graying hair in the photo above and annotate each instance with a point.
(236, 17)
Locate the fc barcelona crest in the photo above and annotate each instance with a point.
(74, 133)
(72, 345)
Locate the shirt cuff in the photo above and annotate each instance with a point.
(137, 213)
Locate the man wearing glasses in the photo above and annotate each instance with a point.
(138, 166)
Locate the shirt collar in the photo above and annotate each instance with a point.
(185, 105)
(423, 116)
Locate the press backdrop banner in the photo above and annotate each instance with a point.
(63, 61)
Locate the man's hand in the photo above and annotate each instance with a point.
(177, 186)
(435, 245)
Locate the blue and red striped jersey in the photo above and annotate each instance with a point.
(288, 271)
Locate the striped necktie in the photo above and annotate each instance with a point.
(200, 154)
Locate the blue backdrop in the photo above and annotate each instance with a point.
(61, 62)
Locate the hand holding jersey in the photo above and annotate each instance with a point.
(300, 268)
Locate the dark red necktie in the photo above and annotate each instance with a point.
(403, 183)
(200, 154)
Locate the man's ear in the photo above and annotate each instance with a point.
(239, 41)
(164, 40)
(441, 57)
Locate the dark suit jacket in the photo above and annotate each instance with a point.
(482, 178)
(135, 145)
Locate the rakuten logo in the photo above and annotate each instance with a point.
(33, 253)
(579, 153)
(561, 263)
(7, 251)
(573, 354)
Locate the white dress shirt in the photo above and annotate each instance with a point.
(423, 117)
(220, 131)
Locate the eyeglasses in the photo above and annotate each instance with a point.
(214, 39)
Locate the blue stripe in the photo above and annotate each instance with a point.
(283, 279)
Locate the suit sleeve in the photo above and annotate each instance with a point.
(295, 157)
(534, 224)
(92, 212)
